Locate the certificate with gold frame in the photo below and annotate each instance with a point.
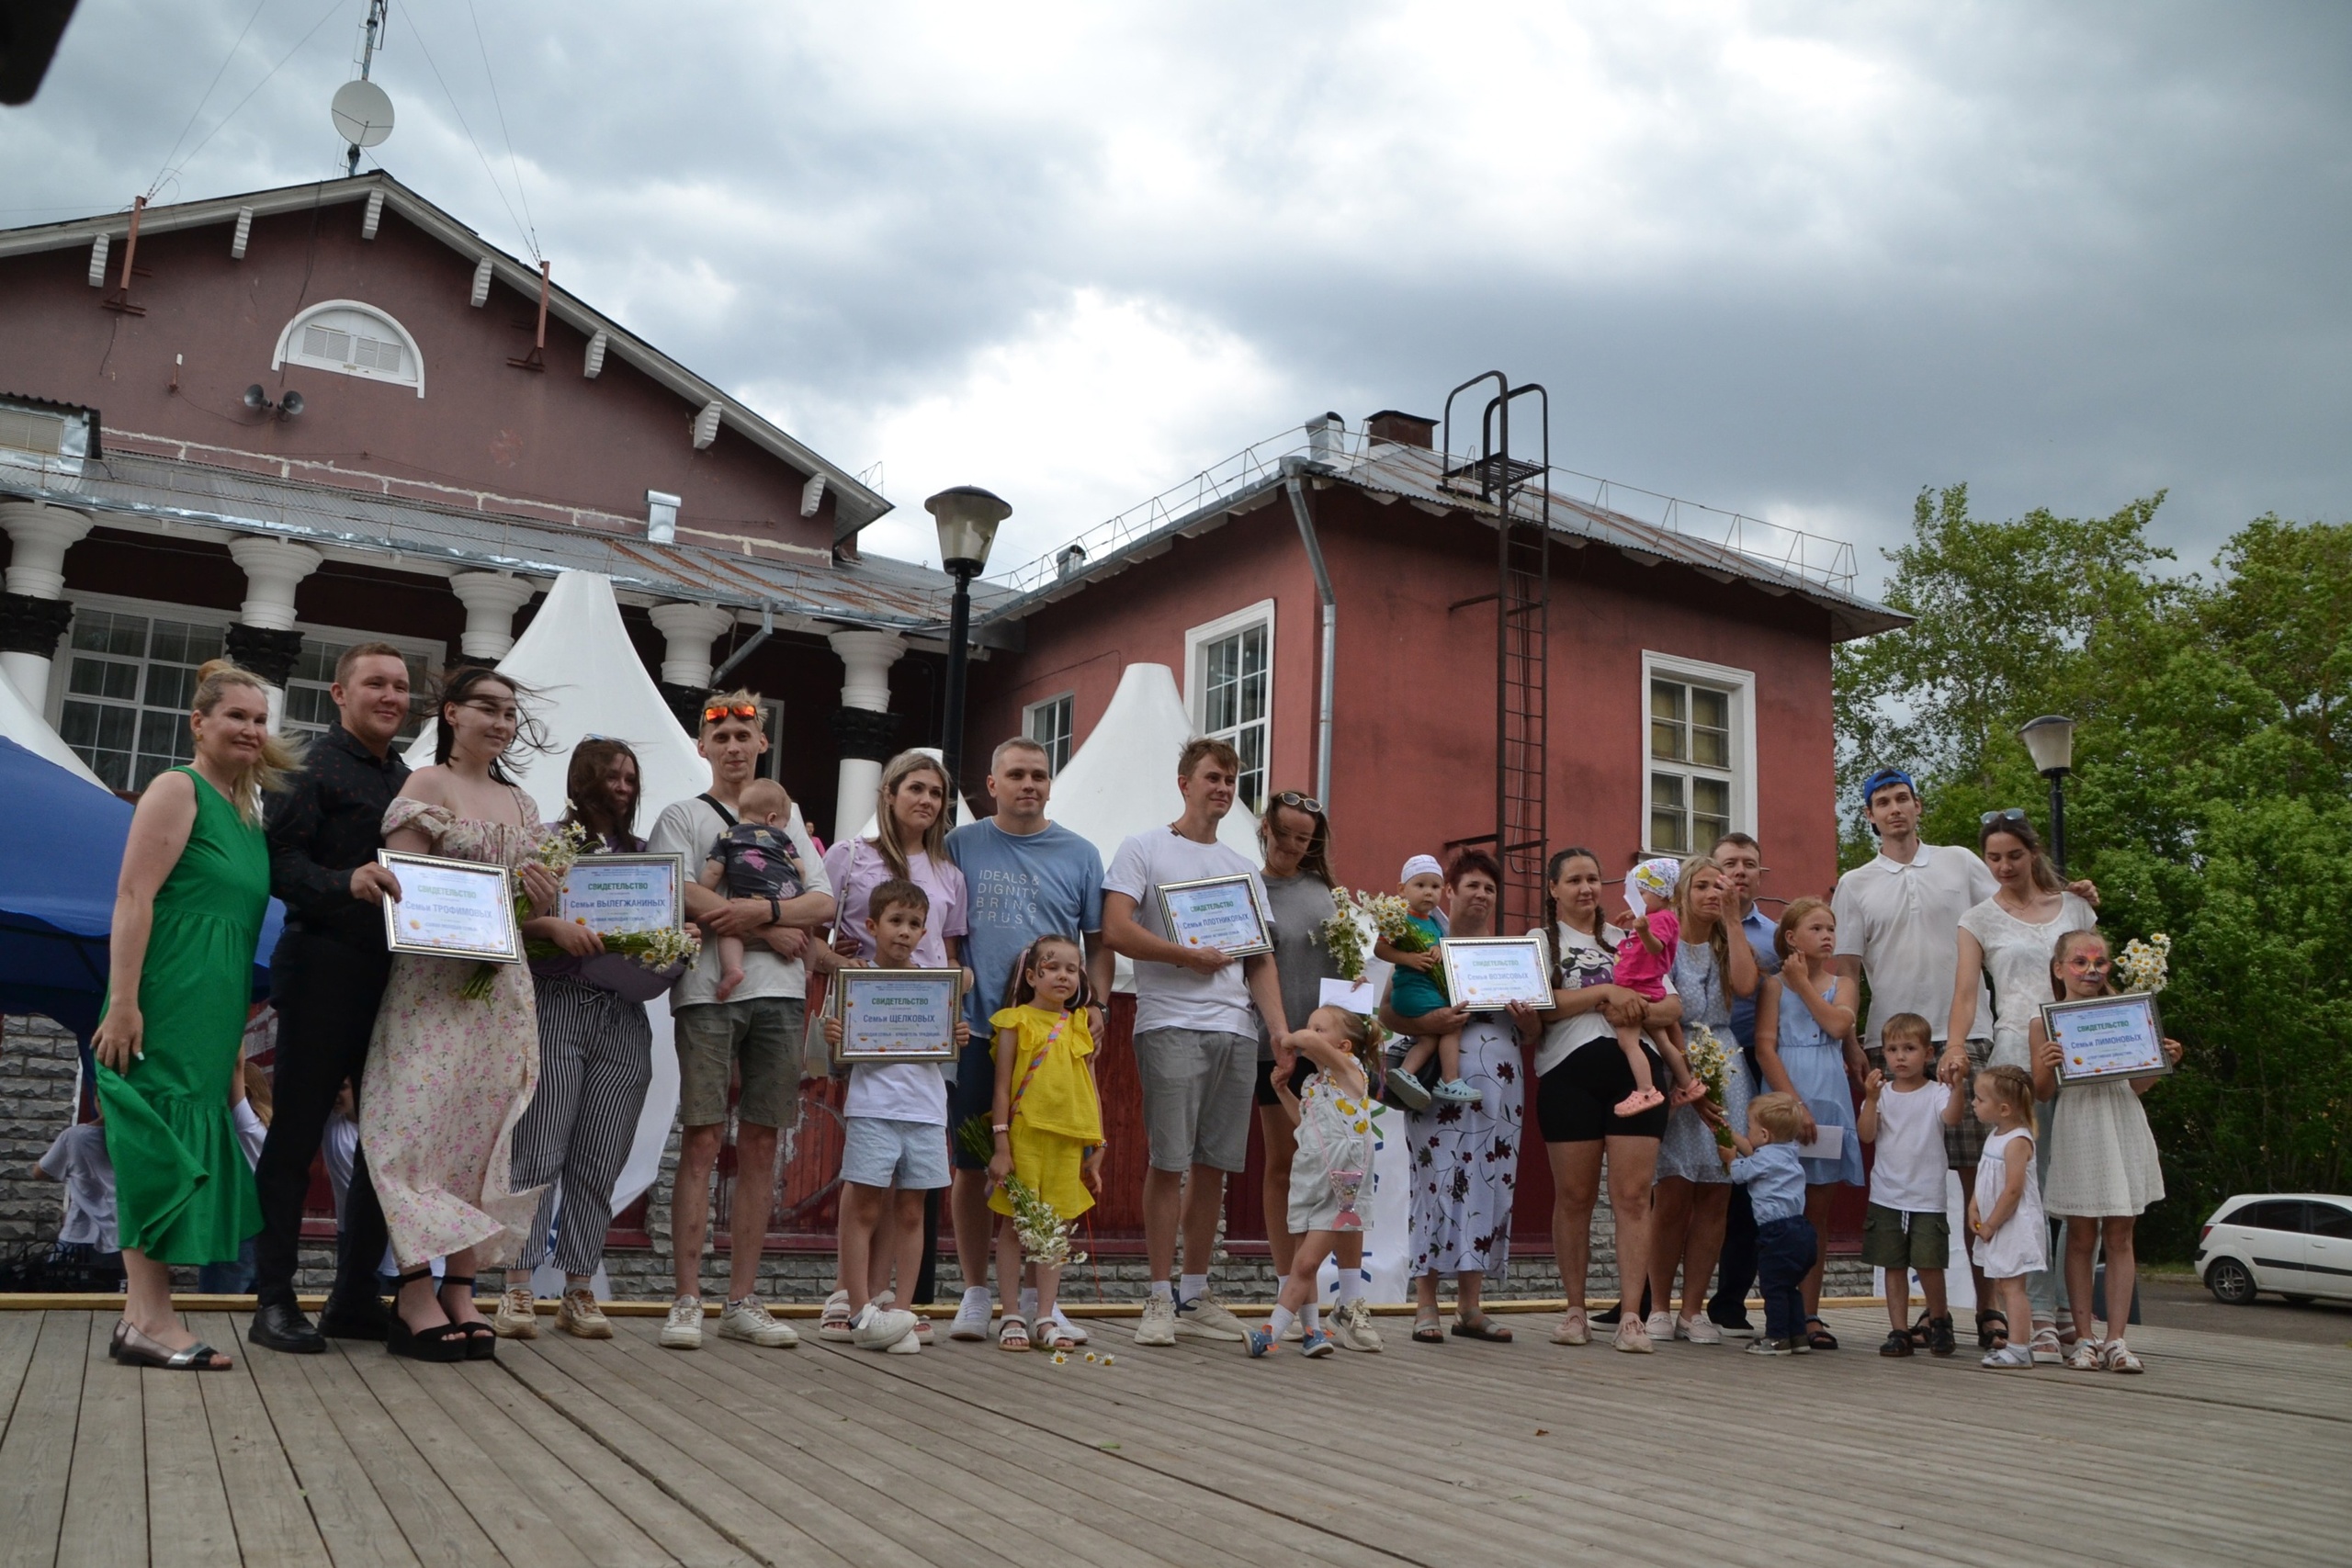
(451, 909)
(895, 1015)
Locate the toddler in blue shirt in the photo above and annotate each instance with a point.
(1767, 1165)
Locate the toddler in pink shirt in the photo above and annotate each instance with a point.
(1644, 960)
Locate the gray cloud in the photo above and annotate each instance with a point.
(1798, 261)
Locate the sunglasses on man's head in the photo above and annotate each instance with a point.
(2011, 815)
(717, 711)
(1306, 803)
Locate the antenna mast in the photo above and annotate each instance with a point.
(367, 59)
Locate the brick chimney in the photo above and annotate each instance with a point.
(1402, 429)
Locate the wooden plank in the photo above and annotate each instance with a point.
(106, 1502)
(187, 1506)
(432, 1523)
(37, 1452)
(354, 1525)
(265, 1503)
(730, 1508)
(18, 1333)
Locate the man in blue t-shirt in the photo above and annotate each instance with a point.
(1025, 878)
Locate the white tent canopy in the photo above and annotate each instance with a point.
(20, 724)
(1124, 779)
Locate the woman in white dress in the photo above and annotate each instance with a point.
(2009, 937)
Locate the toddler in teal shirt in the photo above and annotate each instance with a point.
(1418, 988)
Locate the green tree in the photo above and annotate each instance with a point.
(2212, 759)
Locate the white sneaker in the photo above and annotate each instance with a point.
(1661, 1327)
(518, 1314)
(1061, 1320)
(834, 1323)
(1698, 1331)
(879, 1327)
(749, 1320)
(972, 1314)
(1204, 1317)
(1159, 1324)
(911, 1344)
(1352, 1328)
(684, 1329)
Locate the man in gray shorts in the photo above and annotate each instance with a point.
(758, 1028)
(1196, 1043)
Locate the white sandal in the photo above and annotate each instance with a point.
(1012, 1334)
(2121, 1360)
(2090, 1355)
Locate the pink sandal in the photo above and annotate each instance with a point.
(1641, 1099)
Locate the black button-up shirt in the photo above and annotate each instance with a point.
(329, 824)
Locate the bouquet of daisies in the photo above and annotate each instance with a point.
(1711, 1065)
(2144, 965)
(1045, 1234)
(1364, 918)
(557, 848)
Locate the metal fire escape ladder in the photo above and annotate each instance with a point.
(1523, 593)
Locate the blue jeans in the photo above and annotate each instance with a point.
(1783, 1255)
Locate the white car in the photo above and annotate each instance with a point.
(2297, 1244)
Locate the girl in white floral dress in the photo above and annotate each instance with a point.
(448, 1075)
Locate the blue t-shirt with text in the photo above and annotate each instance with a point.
(1020, 887)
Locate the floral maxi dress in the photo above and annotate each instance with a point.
(447, 1076)
(1465, 1161)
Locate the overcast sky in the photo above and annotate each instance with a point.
(1796, 261)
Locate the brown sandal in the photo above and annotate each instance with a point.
(1481, 1328)
(1427, 1332)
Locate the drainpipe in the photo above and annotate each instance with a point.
(1297, 487)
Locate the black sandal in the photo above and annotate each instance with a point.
(1818, 1336)
(481, 1340)
(443, 1342)
(135, 1349)
(1922, 1332)
(1986, 1335)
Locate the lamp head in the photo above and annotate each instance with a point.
(2050, 740)
(967, 518)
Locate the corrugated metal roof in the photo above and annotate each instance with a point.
(1771, 558)
(873, 591)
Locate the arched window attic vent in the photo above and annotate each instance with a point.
(352, 339)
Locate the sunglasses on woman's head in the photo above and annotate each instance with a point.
(2011, 815)
(717, 711)
(1306, 803)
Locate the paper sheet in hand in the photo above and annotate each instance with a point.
(1356, 995)
(1828, 1142)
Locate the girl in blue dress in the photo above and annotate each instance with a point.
(1805, 1047)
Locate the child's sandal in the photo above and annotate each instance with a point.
(1051, 1336)
(1690, 1094)
(1641, 1099)
(1013, 1334)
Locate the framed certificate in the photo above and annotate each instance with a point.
(451, 909)
(1222, 912)
(612, 894)
(1485, 974)
(895, 1015)
(2107, 1037)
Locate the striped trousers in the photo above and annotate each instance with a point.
(596, 1062)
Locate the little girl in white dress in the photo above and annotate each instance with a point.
(2004, 1214)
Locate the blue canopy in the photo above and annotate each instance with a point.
(60, 855)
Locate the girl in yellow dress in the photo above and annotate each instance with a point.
(1046, 1118)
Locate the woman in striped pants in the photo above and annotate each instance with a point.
(595, 1060)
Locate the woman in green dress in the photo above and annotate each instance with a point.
(188, 915)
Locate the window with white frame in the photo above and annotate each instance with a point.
(129, 678)
(1049, 723)
(1701, 745)
(352, 339)
(1230, 670)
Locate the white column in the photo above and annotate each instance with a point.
(867, 657)
(491, 599)
(687, 632)
(41, 535)
(274, 569)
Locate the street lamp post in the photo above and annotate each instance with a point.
(967, 518)
(2051, 741)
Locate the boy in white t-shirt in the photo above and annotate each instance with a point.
(894, 1123)
(1905, 1114)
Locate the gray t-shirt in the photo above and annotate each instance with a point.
(1301, 905)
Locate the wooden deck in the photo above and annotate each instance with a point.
(621, 1453)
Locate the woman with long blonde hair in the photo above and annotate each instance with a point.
(188, 917)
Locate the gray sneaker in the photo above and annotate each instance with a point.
(1159, 1324)
(1352, 1328)
(684, 1330)
(750, 1320)
(1204, 1317)
(880, 1328)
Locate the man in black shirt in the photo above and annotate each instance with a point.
(326, 978)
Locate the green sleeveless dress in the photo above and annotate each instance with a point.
(183, 1191)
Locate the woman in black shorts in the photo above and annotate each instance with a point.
(1581, 1077)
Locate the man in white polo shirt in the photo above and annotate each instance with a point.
(1196, 1043)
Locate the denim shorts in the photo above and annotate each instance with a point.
(879, 1152)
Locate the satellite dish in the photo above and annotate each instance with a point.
(363, 113)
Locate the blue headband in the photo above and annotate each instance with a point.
(1881, 779)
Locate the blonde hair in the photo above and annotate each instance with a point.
(1908, 1026)
(739, 697)
(760, 797)
(1783, 1115)
(1792, 917)
(904, 766)
(265, 773)
(2010, 1085)
(1719, 939)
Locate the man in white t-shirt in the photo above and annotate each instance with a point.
(1196, 1042)
(757, 1029)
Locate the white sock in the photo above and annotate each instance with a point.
(1028, 1301)
(1280, 1322)
(1311, 1316)
(1159, 1291)
(1192, 1286)
(1350, 1285)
